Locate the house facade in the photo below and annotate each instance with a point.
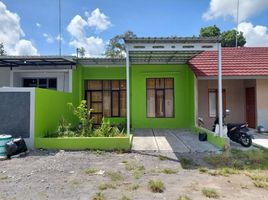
(163, 83)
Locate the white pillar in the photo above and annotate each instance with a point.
(220, 114)
(70, 80)
(128, 91)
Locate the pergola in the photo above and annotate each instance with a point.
(169, 50)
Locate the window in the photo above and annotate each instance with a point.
(213, 102)
(160, 97)
(107, 98)
(50, 83)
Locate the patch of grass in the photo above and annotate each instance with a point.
(256, 177)
(90, 171)
(105, 186)
(261, 184)
(133, 187)
(156, 186)
(226, 171)
(136, 169)
(252, 159)
(243, 186)
(161, 157)
(210, 193)
(99, 196)
(3, 177)
(186, 163)
(115, 176)
(169, 171)
(124, 161)
(124, 198)
(183, 197)
(203, 170)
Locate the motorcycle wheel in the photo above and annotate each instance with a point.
(245, 140)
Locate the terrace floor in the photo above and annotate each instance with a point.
(169, 140)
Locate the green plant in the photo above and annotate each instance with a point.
(104, 130)
(169, 171)
(161, 157)
(124, 198)
(183, 197)
(203, 170)
(63, 129)
(133, 187)
(84, 117)
(186, 163)
(99, 196)
(136, 169)
(3, 177)
(210, 193)
(90, 171)
(156, 186)
(115, 176)
(105, 186)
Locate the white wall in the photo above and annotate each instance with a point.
(4, 77)
(62, 77)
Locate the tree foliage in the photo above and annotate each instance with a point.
(116, 47)
(2, 50)
(228, 38)
(81, 52)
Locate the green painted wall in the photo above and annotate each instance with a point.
(183, 92)
(183, 96)
(50, 106)
(83, 73)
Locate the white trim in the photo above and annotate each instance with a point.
(29, 141)
(70, 80)
(103, 65)
(40, 70)
(172, 47)
(128, 91)
(196, 100)
(220, 91)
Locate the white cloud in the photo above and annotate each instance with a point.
(12, 35)
(94, 46)
(228, 8)
(49, 38)
(38, 25)
(98, 20)
(256, 36)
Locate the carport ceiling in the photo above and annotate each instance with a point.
(170, 50)
(17, 61)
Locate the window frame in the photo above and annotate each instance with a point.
(111, 91)
(215, 91)
(164, 97)
(38, 79)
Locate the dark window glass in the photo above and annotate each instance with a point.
(50, 83)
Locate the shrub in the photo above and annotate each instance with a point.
(183, 197)
(99, 196)
(156, 186)
(210, 193)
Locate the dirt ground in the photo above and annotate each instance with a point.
(80, 175)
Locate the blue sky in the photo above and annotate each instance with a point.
(39, 21)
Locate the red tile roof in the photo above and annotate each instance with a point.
(245, 61)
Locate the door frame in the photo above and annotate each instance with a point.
(255, 105)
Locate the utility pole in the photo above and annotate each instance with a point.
(237, 15)
(59, 28)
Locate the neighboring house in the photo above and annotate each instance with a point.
(164, 75)
(245, 85)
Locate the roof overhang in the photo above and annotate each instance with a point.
(171, 50)
(102, 61)
(35, 61)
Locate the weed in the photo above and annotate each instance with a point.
(124, 198)
(125, 161)
(105, 186)
(243, 186)
(136, 169)
(186, 163)
(183, 197)
(115, 176)
(3, 177)
(156, 186)
(133, 187)
(169, 171)
(161, 157)
(261, 184)
(90, 171)
(203, 170)
(210, 193)
(99, 196)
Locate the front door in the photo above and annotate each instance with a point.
(251, 107)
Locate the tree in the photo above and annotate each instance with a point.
(2, 50)
(210, 31)
(81, 52)
(228, 38)
(116, 47)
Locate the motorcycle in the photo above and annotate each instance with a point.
(236, 132)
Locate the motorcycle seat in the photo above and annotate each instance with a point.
(232, 125)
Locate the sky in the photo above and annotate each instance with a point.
(31, 27)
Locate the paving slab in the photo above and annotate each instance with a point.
(144, 140)
(167, 141)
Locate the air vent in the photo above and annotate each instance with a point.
(158, 47)
(188, 46)
(139, 47)
(207, 46)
